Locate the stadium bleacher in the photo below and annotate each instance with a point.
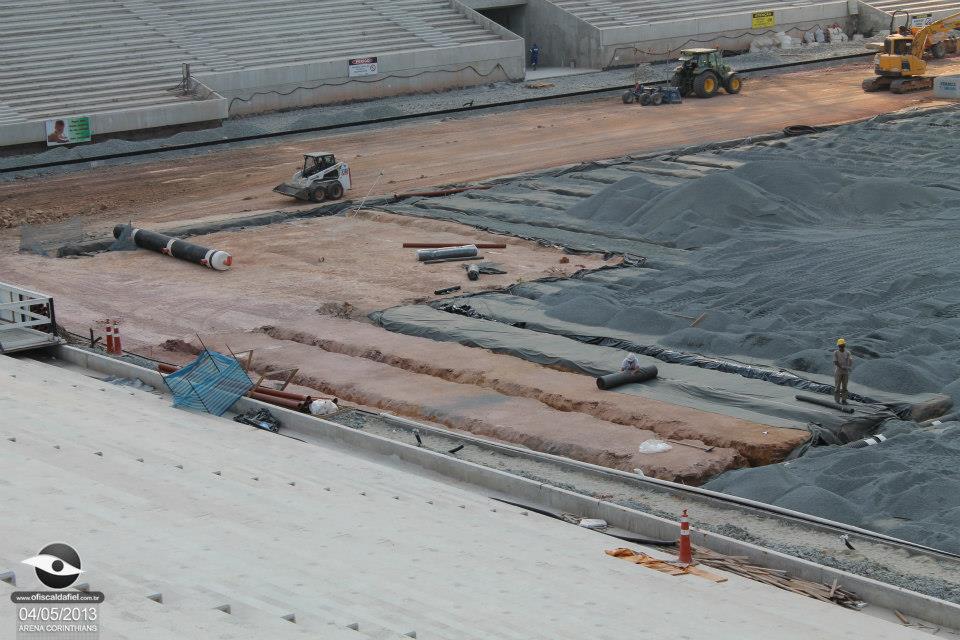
(616, 33)
(612, 13)
(67, 57)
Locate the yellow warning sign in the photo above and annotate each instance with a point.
(763, 19)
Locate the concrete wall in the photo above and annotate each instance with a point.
(303, 85)
(623, 46)
(563, 37)
(153, 117)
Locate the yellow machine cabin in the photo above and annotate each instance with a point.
(900, 66)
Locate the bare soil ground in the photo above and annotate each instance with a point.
(431, 152)
(299, 292)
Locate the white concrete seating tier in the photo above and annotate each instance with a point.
(304, 540)
(915, 6)
(616, 13)
(64, 57)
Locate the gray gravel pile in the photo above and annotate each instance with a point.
(907, 487)
(809, 240)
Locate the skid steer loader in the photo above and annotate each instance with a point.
(321, 178)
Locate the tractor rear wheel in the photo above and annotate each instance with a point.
(656, 99)
(733, 84)
(335, 191)
(706, 85)
(644, 99)
(628, 97)
(318, 195)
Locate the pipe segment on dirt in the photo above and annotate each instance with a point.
(176, 247)
(613, 380)
(466, 251)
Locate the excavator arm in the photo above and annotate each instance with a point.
(921, 37)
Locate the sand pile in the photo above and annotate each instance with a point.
(907, 487)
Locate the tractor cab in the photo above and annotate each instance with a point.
(316, 162)
(703, 72)
(702, 58)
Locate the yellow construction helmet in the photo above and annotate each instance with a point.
(841, 341)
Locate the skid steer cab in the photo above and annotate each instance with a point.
(321, 178)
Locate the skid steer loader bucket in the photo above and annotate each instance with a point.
(287, 189)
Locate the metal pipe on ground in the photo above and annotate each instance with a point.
(442, 260)
(443, 245)
(613, 380)
(170, 246)
(829, 404)
(465, 251)
(295, 405)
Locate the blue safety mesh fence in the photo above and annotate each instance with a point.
(211, 383)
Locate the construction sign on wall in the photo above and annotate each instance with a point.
(363, 67)
(921, 19)
(67, 130)
(763, 20)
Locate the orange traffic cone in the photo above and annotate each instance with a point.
(686, 553)
(109, 332)
(117, 345)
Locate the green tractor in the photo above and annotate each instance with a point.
(703, 72)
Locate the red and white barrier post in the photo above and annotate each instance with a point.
(117, 345)
(108, 331)
(686, 553)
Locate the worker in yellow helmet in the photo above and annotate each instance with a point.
(842, 363)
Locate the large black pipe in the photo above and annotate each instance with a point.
(823, 403)
(466, 251)
(168, 245)
(612, 380)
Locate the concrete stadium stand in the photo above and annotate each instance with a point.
(875, 593)
(567, 39)
(302, 85)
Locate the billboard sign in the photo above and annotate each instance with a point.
(67, 130)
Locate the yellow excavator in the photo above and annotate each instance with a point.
(900, 65)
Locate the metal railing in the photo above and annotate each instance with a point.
(22, 314)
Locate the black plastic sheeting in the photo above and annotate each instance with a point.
(779, 377)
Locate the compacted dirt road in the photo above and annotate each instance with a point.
(432, 152)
